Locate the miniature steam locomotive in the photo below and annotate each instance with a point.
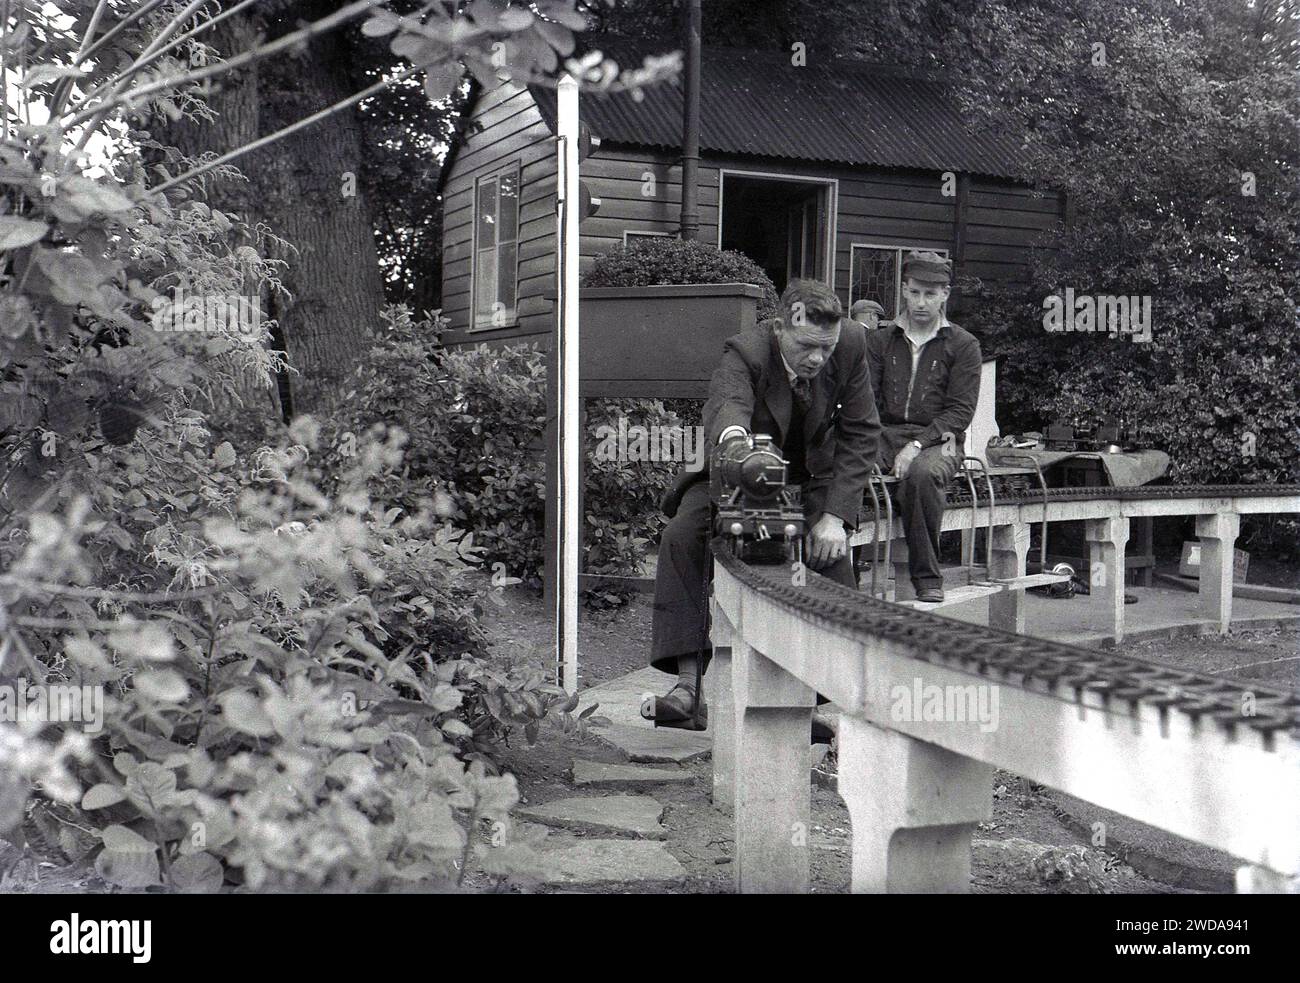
(758, 511)
(1094, 432)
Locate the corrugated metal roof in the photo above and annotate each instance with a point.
(842, 111)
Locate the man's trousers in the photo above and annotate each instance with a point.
(681, 609)
(921, 498)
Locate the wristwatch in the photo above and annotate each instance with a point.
(917, 443)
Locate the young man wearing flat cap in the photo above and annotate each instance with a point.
(925, 373)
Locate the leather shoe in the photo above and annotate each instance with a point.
(676, 710)
(930, 595)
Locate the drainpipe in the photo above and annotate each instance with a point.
(691, 122)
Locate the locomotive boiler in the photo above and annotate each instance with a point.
(757, 510)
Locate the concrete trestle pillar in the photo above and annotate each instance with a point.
(1106, 540)
(1010, 550)
(773, 761)
(1218, 533)
(722, 727)
(722, 710)
(914, 808)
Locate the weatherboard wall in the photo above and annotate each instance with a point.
(640, 191)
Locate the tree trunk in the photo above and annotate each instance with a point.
(306, 188)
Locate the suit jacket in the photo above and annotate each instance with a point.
(750, 388)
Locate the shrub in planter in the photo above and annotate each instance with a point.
(663, 260)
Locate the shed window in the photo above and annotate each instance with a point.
(496, 248)
(876, 273)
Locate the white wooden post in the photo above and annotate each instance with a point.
(568, 412)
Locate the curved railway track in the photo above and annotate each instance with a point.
(1134, 494)
(1119, 681)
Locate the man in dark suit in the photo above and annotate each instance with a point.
(802, 379)
(925, 373)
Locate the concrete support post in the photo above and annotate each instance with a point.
(1218, 534)
(773, 761)
(914, 807)
(1106, 540)
(722, 713)
(1260, 880)
(1010, 550)
(898, 556)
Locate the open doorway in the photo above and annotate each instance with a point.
(782, 224)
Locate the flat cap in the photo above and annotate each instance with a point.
(865, 307)
(927, 267)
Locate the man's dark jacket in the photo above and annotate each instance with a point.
(750, 388)
(947, 384)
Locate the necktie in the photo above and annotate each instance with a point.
(802, 393)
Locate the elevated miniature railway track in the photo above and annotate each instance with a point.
(1118, 681)
(1020, 501)
(1214, 760)
(1139, 493)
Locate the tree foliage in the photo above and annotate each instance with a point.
(1176, 143)
(295, 690)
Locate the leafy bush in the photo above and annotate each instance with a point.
(660, 260)
(296, 693)
(623, 494)
(479, 452)
(275, 708)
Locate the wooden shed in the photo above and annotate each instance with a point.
(830, 170)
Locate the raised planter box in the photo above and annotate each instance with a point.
(659, 342)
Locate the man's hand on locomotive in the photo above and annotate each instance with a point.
(826, 542)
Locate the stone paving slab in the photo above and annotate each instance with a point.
(603, 861)
(648, 745)
(599, 774)
(638, 738)
(620, 699)
(633, 815)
